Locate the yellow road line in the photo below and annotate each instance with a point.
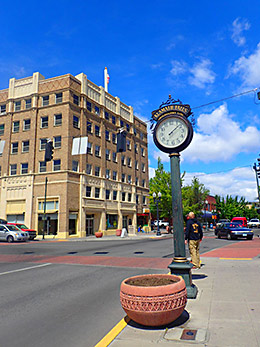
(236, 258)
(113, 333)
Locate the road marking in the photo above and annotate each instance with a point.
(236, 258)
(24, 269)
(112, 334)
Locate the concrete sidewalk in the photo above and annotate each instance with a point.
(226, 312)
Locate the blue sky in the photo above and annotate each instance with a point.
(198, 52)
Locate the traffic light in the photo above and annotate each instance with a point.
(48, 151)
(121, 141)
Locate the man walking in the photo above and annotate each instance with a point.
(194, 235)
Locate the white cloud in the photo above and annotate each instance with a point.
(238, 26)
(239, 181)
(202, 75)
(178, 67)
(247, 68)
(151, 172)
(220, 138)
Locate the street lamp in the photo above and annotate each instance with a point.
(157, 199)
(205, 216)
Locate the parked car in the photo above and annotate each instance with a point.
(32, 233)
(162, 223)
(241, 220)
(233, 230)
(254, 223)
(11, 233)
(222, 221)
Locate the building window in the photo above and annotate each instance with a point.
(135, 131)
(88, 192)
(75, 122)
(107, 154)
(127, 127)
(112, 221)
(13, 169)
(97, 151)
(0, 170)
(143, 167)
(26, 124)
(123, 159)
(24, 168)
(114, 157)
(136, 148)
(88, 169)
(89, 148)
(14, 148)
(136, 181)
(75, 165)
(136, 164)
(17, 105)
(107, 173)
(58, 98)
(122, 123)
(45, 100)
(142, 152)
(57, 119)
(114, 138)
(143, 183)
(97, 130)
(123, 196)
(42, 166)
(107, 135)
(2, 129)
(144, 200)
(107, 115)
(56, 165)
(97, 193)
(89, 106)
(123, 177)
(25, 146)
(76, 99)
(128, 145)
(129, 162)
(114, 175)
(141, 136)
(97, 171)
(107, 194)
(2, 109)
(114, 195)
(28, 103)
(57, 142)
(129, 197)
(89, 127)
(44, 122)
(137, 199)
(129, 179)
(97, 110)
(43, 144)
(16, 126)
(113, 119)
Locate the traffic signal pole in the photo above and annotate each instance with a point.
(44, 213)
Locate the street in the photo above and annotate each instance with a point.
(56, 293)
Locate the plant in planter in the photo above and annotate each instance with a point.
(153, 300)
(98, 233)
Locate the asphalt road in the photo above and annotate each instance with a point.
(47, 304)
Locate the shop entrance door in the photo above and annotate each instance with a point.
(125, 222)
(89, 224)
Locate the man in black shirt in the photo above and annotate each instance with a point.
(194, 235)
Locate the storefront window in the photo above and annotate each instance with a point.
(112, 221)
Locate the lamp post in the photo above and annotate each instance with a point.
(205, 216)
(157, 199)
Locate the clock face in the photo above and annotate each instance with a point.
(172, 132)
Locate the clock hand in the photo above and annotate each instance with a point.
(173, 130)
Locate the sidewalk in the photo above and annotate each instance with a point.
(226, 312)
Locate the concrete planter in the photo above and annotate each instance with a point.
(118, 232)
(98, 234)
(157, 304)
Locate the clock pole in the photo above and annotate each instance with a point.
(179, 266)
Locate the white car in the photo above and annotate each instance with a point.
(11, 233)
(254, 223)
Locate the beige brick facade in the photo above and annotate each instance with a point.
(78, 200)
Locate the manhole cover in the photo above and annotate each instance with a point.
(28, 252)
(138, 252)
(101, 252)
(72, 252)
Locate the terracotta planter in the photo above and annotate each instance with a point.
(153, 305)
(98, 234)
(118, 232)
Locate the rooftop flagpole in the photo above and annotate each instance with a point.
(106, 79)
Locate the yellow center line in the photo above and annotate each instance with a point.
(113, 333)
(236, 258)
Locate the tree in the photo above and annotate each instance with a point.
(193, 197)
(230, 207)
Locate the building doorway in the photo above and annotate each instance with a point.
(89, 224)
(125, 224)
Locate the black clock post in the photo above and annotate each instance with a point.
(172, 136)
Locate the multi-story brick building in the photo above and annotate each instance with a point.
(100, 190)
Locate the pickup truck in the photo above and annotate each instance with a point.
(162, 223)
(254, 223)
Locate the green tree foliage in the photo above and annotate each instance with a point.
(229, 207)
(193, 196)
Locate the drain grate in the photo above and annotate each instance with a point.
(138, 252)
(188, 334)
(101, 252)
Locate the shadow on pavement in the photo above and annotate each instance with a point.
(199, 277)
(184, 317)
